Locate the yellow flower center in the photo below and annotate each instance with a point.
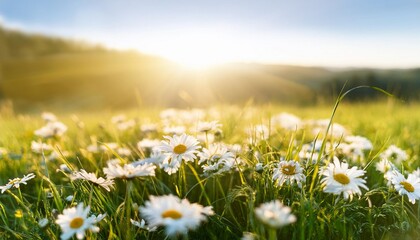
(342, 178)
(18, 213)
(174, 214)
(76, 223)
(407, 186)
(288, 170)
(180, 149)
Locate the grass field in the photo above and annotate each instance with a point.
(251, 156)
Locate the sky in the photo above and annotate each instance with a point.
(200, 33)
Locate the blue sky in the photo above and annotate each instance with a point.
(318, 32)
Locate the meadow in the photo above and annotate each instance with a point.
(226, 172)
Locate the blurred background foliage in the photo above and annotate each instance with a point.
(42, 72)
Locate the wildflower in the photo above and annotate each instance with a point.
(18, 213)
(148, 128)
(206, 137)
(39, 147)
(259, 167)
(91, 177)
(218, 159)
(359, 142)
(43, 222)
(124, 152)
(75, 220)
(206, 127)
(122, 126)
(417, 172)
(64, 168)
(127, 171)
(395, 154)
(355, 147)
(176, 215)
(249, 236)
(142, 225)
(287, 121)
(409, 186)
(118, 119)
(176, 149)
(48, 117)
(52, 129)
(69, 198)
(147, 144)
(387, 168)
(384, 166)
(275, 214)
(340, 179)
(174, 130)
(214, 153)
(108, 147)
(289, 171)
(16, 182)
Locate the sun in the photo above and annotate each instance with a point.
(197, 55)
(192, 49)
(197, 62)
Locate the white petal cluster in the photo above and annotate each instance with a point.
(115, 170)
(75, 221)
(105, 183)
(275, 214)
(178, 216)
(16, 182)
(338, 178)
(289, 172)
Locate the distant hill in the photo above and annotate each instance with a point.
(39, 72)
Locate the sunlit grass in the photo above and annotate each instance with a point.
(234, 190)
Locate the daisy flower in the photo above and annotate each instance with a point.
(149, 128)
(39, 147)
(75, 220)
(387, 168)
(16, 182)
(174, 130)
(287, 121)
(124, 152)
(48, 117)
(338, 178)
(409, 186)
(147, 144)
(206, 127)
(275, 214)
(176, 215)
(395, 154)
(91, 177)
(52, 129)
(218, 159)
(128, 171)
(289, 171)
(178, 148)
(359, 142)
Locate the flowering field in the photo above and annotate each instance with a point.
(268, 172)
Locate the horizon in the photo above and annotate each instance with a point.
(201, 35)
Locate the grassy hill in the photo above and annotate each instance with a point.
(38, 72)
